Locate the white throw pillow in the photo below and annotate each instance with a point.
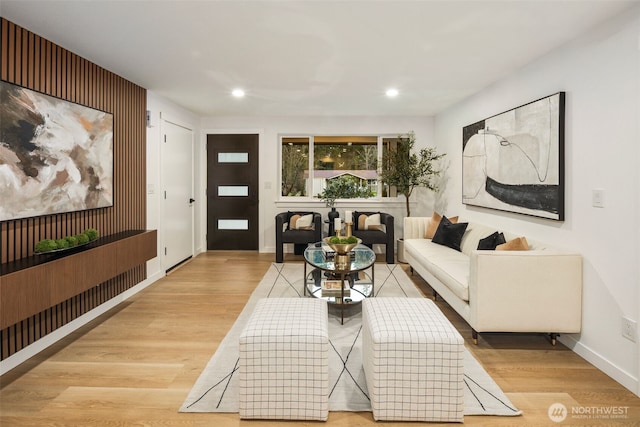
(372, 222)
(304, 222)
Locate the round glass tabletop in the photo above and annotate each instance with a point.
(320, 255)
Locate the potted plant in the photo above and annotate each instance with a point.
(406, 170)
(342, 187)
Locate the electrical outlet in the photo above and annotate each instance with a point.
(629, 329)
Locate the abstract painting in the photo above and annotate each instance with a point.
(514, 161)
(55, 156)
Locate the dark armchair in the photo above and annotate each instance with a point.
(299, 237)
(376, 235)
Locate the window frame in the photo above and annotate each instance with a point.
(311, 198)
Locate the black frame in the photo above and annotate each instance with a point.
(523, 183)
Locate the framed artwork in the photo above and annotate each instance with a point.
(55, 156)
(514, 161)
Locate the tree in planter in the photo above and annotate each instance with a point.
(405, 170)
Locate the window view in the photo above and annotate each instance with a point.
(295, 166)
(332, 157)
(336, 156)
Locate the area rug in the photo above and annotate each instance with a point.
(216, 388)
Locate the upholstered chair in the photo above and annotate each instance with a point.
(297, 228)
(371, 231)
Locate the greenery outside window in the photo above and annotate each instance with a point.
(295, 166)
(309, 162)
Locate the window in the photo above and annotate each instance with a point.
(309, 162)
(295, 166)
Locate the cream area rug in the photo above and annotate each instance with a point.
(216, 388)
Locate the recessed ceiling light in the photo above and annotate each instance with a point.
(238, 93)
(391, 93)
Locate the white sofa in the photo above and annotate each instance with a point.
(537, 290)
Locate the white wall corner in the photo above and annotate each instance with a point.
(602, 363)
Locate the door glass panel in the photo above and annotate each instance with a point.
(233, 224)
(233, 190)
(233, 157)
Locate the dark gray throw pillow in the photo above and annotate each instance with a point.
(449, 234)
(490, 242)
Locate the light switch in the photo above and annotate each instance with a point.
(597, 198)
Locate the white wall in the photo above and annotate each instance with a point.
(269, 129)
(600, 73)
(160, 108)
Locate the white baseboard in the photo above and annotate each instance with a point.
(620, 375)
(31, 350)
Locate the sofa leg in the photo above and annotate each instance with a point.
(553, 336)
(474, 336)
(411, 270)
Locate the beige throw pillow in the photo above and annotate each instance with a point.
(435, 222)
(293, 221)
(298, 222)
(518, 244)
(305, 222)
(373, 222)
(370, 222)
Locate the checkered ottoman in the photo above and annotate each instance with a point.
(284, 360)
(413, 361)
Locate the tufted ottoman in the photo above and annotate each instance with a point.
(284, 367)
(413, 361)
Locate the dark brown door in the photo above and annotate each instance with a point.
(232, 192)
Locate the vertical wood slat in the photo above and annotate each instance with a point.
(36, 63)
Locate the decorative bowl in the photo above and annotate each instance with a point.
(341, 248)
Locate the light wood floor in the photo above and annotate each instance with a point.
(136, 364)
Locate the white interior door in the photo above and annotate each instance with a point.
(177, 178)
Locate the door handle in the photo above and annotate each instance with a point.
(191, 200)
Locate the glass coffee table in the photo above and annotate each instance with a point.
(342, 286)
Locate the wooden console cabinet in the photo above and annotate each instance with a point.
(31, 285)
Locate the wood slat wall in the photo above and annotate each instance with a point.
(36, 63)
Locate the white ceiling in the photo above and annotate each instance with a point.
(311, 57)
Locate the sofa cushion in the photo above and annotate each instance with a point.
(449, 234)
(490, 242)
(472, 237)
(301, 222)
(519, 244)
(447, 265)
(432, 227)
(369, 222)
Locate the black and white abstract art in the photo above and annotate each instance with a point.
(55, 156)
(514, 161)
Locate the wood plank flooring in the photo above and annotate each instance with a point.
(135, 364)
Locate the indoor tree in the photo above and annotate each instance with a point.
(405, 169)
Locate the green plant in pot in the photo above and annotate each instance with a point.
(68, 242)
(406, 170)
(343, 187)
